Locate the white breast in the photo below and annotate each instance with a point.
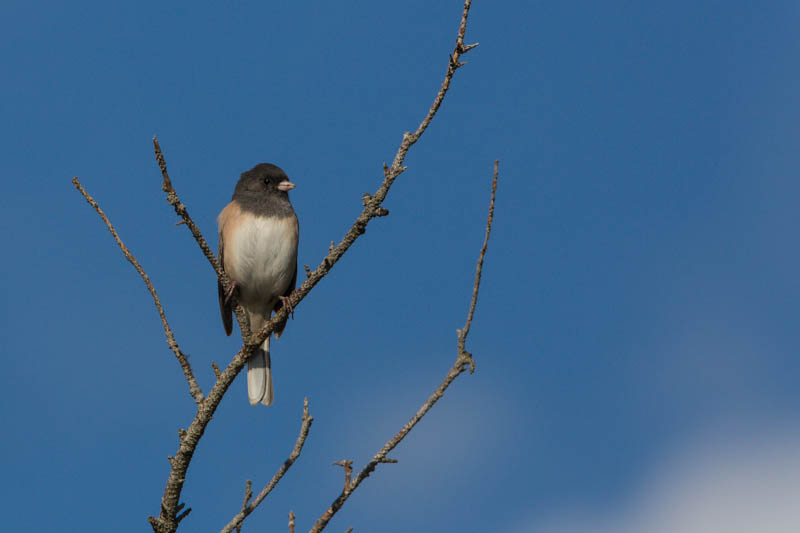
(261, 256)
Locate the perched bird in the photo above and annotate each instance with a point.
(258, 235)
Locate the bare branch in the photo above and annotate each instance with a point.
(183, 212)
(347, 464)
(166, 521)
(183, 514)
(237, 520)
(462, 333)
(291, 522)
(372, 206)
(194, 388)
(248, 493)
(180, 209)
(463, 361)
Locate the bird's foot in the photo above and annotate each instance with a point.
(285, 300)
(230, 291)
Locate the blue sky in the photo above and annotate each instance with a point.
(636, 335)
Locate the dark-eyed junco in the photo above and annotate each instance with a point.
(258, 234)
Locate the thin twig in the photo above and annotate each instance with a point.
(291, 522)
(166, 520)
(463, 361)
(237, 520)
(347, 464)
(194, 388)
(183, 212)
(248, 493)
(462, 333)
(372, 203)
(183, 514)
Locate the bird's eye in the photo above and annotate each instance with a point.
(266, 181)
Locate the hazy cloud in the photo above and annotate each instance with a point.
(732, 482)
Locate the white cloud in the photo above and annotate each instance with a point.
(725, 484)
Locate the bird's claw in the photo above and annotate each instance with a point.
(230, 291)
(285, 300)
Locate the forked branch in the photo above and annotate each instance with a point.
(247, 508)
(182, 211)
(170, 512)
(372, 208)
(463, 362)
(194, 388)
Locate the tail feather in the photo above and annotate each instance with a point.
(259, 376)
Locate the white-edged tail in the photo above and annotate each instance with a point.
(259, 376)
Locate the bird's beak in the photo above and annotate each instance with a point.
(286, 185)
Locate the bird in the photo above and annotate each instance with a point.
(258, 238)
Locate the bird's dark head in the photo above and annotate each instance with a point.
(263, 179)
(264, 191)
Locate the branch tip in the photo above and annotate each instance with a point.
(238, 519)
(206, 409)
(347, 464)
(390, 174)
(194, 388)
(183, 514)
(462, 333)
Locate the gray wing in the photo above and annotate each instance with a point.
(280, 327)
(225, 308)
